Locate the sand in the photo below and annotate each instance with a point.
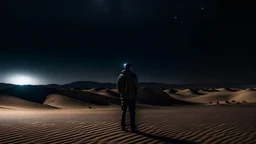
(186, 124)
(93, 116)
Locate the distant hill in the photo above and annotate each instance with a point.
(4, 85)
(91, 84)
(84, 84)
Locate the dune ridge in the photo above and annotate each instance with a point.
(83, 98)
(63, 102)
(226, 95)
(11, 102)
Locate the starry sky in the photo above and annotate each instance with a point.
(169, 41)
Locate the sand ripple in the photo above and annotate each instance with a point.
(192, 124)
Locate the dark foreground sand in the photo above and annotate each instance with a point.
(184, 124)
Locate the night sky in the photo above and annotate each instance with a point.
(170, 41)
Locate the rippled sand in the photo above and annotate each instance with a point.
(182, 124)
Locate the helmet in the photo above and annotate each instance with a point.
(127, 66)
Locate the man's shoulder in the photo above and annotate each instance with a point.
(120, 76)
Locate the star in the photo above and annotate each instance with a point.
(202, 8)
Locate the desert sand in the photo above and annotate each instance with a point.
(93, 116)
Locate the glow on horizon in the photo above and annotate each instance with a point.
(21, 80)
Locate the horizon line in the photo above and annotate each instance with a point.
(139, 83)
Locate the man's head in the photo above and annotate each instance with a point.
(128, 66)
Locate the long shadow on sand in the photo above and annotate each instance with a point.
(165, 139)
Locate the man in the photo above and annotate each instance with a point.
(128, 89)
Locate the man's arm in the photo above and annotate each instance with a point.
(120, 82)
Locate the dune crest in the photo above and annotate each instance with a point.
(11, 102)
(158, 97)
(64, 102)
(227, 96)
(190, 92)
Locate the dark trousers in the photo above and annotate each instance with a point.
(131, 103)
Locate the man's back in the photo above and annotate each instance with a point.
(127, 85)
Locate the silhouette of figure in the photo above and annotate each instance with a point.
(128, 89)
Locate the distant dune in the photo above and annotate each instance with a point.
(190, 92)
(107, 92)
(86, 96)
(12, 102)
(213, 97)
(35, 94)
(45, 97)
(110, 96)
(226, 95)
(157, 97)
(246, 96)
(60, 101)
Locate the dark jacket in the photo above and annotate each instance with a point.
(127, 85)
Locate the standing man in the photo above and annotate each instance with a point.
(128, 89)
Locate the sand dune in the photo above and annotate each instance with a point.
(190, 92)
(96, 89)
(209, 89)
(12, 102)
(245, 95)
(65, 98)
(39, 95)
(220, 95)
(220, 89)
(64, 102)
(226, 95)
(213, 97)
(229, 89)
(113, 92)
(145, 96)
(107, 92)
(35, 94)
(179, 97)
(183, 94)
(233, 89)
(171, 91)
(157, 97)
(85, 96)
(110, 96)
